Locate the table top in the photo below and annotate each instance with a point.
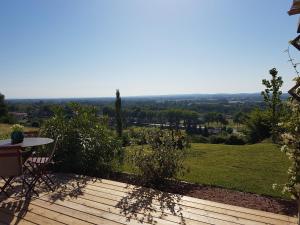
(28, 142)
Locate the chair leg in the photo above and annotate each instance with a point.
(31, 187)
(5, 179)
(7, 183)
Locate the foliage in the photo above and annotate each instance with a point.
(118, 108)
(272, 97)
(247, 168)
(86, 146)
(17, 128)
(239, 118)
(229, 130)
(3, 107)
(217, 139)
(162, 158)
(258, 126)
(138, 135)
(125, 139)
(198, 139)
(291, 146)
(205, 132)
(215, 117)
(235, 140)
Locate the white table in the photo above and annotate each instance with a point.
(28, 142)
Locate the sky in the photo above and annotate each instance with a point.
(90, 48)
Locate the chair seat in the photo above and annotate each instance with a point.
(38, 160)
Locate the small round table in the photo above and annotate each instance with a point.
(28, 142)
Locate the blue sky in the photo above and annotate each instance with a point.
(89, 48)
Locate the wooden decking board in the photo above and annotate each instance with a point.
(6, 219)
(208, 208)
(186, 199)
(187, 212)
(102, 213)
(157, 215)
(194, 200)
(31, 217)
(96, 202)
(72, 213)
(109, 209)
(47, 211)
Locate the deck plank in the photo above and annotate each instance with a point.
(84, 200)
(234, 211)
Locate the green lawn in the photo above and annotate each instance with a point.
(249, 168)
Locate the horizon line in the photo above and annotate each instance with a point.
(134, 96)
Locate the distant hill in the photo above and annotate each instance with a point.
(243, 97)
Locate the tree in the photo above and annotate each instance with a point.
(272, 98)
(205, 132)
(118, 108)
(3, 107)
(291, 146)
(258, 126)
(239, 118)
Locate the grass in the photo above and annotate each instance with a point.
(248, 168)
(5, 130)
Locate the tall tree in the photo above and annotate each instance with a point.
(272, 97)
(3, 107)
(118, 108)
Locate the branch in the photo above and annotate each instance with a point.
(291, 60)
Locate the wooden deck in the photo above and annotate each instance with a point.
(83, 200)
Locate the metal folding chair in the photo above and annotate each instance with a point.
(38, 167)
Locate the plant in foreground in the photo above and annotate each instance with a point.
(162, 158)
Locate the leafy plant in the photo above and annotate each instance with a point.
(235, 140)
(217, 139)
(258, 126)
(86, 146)
(17, 128)
(272, 97)
(162, 158)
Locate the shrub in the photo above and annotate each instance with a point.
(35, 124)
(162, 158)
(258, 126)
(138, 135)
(125, 139)
(235, 140)
(217, 139)
(229, 130)
(86, 146)
(198, 139)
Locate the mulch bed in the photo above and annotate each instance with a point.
(218, 194)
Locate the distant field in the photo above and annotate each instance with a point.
(5, 129)
(249, 168)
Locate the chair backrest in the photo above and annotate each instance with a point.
(31, 133)
(10, 161)
(54, 148)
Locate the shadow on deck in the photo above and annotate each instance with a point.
(85, 200)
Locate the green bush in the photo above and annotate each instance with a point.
(229, 130)
(217, 139)
(235, 140)
(258, 126)
(86, 146)
(162, 157)
(138, 135)
(198, 139)
(125, 139)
